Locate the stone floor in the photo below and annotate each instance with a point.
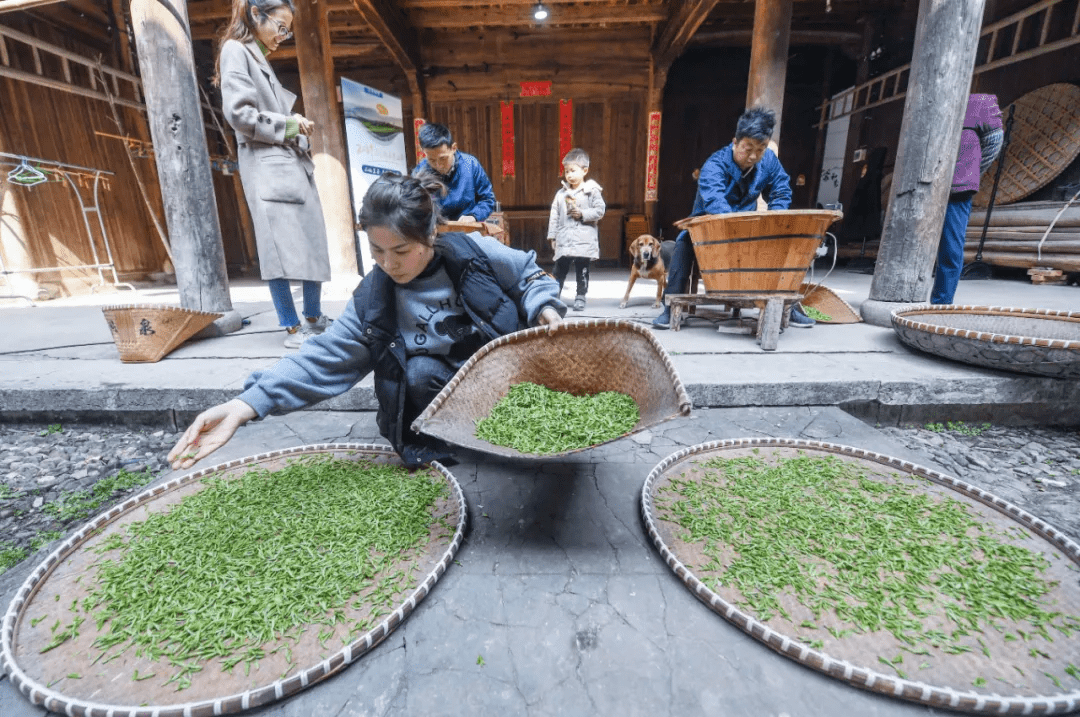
(559, 590)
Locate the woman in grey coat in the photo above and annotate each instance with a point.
(275, 162)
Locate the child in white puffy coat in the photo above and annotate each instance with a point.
(573, 225)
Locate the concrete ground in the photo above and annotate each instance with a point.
(58, 360)
(557, 587)
(559, 590)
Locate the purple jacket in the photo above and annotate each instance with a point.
(983, 118)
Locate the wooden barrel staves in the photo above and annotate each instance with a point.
(752, 252)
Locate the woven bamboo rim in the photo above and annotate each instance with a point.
(829, 303)
(55, 701)
(1045, 140)
(863, 677)
(424, 422)
(174, 326)
(905, 317)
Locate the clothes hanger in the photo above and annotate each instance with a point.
(26, 175)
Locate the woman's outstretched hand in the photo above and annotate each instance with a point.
(210, 430)
(550, 318)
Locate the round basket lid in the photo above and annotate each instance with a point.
(865, 567)
(317, 589)
(1045, 140)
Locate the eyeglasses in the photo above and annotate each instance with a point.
(283, 32)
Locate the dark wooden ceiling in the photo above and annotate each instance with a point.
(434, 22)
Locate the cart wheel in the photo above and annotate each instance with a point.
(769, 324)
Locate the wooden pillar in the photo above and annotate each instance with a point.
(328, 139)
(946, 39)
(849, 173)
(819, 144)
(768, 57)
(654, 102)
(163, 42)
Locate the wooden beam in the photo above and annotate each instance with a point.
(400, 37)
(742, 38)
(338, 49)
(394, 30)
(557, 15)
(678, 28)
(14, 5)
(202, 11)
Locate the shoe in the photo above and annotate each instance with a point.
(798, 319)
(663, 321)
(579, 303)
(296, 336)
(316, 326)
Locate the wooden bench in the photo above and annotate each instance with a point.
(774, 308)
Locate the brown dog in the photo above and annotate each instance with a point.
(650, 262)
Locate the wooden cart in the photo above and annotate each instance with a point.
(753, 260)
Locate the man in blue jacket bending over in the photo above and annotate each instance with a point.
(469, 196)
(731, 180)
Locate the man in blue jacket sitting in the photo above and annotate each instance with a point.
(469, 196)
(731, 180)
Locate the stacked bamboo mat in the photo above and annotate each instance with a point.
(1016, 230)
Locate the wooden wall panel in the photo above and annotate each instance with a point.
(49, 124)
(610, 129)
(56, 125)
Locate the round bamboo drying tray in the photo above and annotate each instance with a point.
(754, 252)
(581, 357)
(1045, 140)
(855, 660)
(212, 692)
(1035, 341)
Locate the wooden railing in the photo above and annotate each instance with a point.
(126, 88)
(992, 54)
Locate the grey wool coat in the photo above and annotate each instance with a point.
(277, 173)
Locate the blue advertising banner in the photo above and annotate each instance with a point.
(376, 144)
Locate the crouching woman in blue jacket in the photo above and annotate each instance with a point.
(429, 304)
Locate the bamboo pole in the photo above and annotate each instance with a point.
(1065, 262)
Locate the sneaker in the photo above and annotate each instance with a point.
(798, 319)
(579, 303)
(663, 321)
(295, 336)
(316, 326)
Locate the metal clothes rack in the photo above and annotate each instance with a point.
(75, 176)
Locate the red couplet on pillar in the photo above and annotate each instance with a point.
(417, 124)
(652, 158)
(507, 110)
(566, 128)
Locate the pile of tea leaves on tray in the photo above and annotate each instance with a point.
(535, 419)
(255, 559)
(860, 555)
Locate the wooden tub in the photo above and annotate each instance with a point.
(755, 252)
